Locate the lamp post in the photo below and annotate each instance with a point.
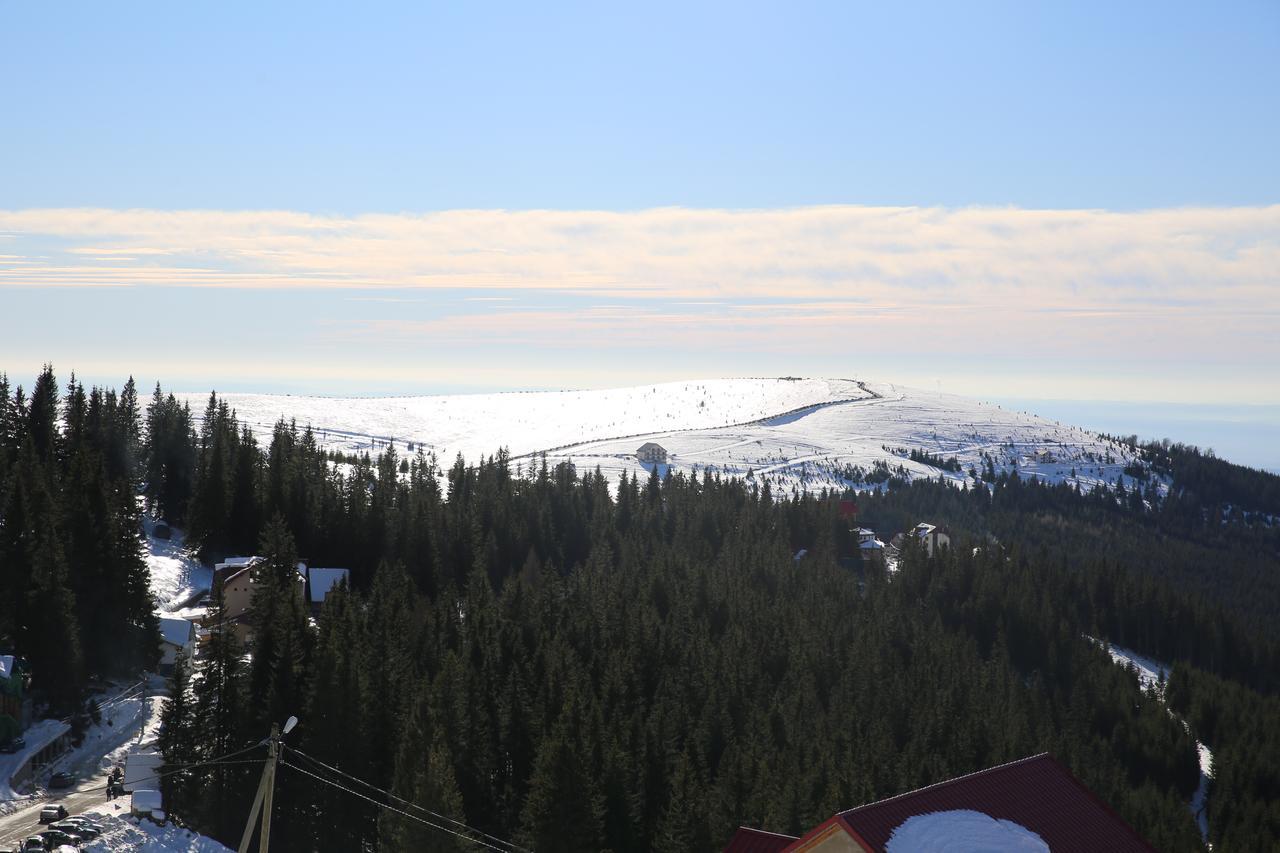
(266, 790)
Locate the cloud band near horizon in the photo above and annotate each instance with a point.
(1153, 291)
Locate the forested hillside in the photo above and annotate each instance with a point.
(74, 595)
(578, 665)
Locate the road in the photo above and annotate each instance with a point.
(90, 791)
(89, 795)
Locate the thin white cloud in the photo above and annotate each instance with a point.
(1226, 257)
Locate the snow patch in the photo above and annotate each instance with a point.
(963, 831)
(129, 835)
(176, 575)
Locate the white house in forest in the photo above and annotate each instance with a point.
(931, 537)
(177, 637)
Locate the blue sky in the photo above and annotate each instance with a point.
(430, 106)
(1010, 200)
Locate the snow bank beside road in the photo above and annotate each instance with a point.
(128, 835)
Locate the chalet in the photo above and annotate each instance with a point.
(232, 565)
(651, 453)
(177, 637)
(235, 577)
(870, 549)
(320, 582)
(1034, 804)
(931, 537)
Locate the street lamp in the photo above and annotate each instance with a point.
(266, 789)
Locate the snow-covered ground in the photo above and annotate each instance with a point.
(124, 834)
(801, 434)
(1152, 675)
(176, 575)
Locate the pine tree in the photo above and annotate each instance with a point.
(221, 719)
(178, 740)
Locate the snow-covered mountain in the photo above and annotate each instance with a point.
(802, 434)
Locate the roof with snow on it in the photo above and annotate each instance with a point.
(178, 632)
(6, 666)
(748, 840)
(323, 580)
(238, 562)
(962, 829)
(923, 529)
(871, 544)
(1035, 793)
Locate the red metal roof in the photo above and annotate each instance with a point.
(748, 840)
(1036, 792)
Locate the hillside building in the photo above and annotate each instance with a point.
(870, 549)
(651, 453)
(931, 537)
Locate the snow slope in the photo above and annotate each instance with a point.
(801, 434)
(176, 575)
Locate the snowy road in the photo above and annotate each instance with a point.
(128, 720)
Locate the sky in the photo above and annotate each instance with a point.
(1024, 201)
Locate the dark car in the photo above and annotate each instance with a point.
(53, 813)
(33, 844)
(12, 745)
(54, 837)
(61, 779)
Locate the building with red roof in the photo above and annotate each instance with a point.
(1035, 803)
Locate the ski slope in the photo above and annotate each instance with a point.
(795, 434)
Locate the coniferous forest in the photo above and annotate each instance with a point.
(572, 664)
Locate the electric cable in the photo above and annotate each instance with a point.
(402, 812)
(402, 800)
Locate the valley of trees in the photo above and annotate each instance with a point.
(574, 667)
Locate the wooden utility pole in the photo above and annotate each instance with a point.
(266, 788)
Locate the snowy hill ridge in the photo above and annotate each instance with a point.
(795, 434)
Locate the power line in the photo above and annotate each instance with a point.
(220, 760)
(402, 812)
(402, 800)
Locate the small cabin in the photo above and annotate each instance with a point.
(651, 453)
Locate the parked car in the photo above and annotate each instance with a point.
(54, 837)
(12, 745)
(34, 844)
(53, 813)
(86, 825)
(61, 779)
(75, 830)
